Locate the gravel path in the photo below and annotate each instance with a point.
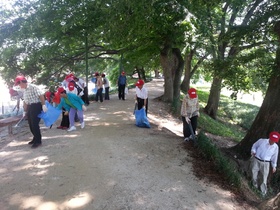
(111, 164)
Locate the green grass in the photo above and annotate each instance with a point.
(222, 164)
(233, 120)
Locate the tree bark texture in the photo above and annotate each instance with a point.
(187, 77)
(268, 117)
(172, 65)
(214, 97)
(179, 66)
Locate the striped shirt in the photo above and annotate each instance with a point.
(32, 94)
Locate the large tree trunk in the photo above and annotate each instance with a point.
(177, 79)
(268, 117)
(188, 66)
(214, 97)
(166, 60)
(172, 65)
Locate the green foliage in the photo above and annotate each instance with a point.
(222, 164)
(239, 113)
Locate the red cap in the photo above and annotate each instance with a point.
(274, 136)
(192, 93)
(71, 86)
(48, 95)
(56, 98)
(102, 75)
(96, 74)
(19, 78)
(123, 73)
(140, 82)
(69, 77)
(60, 89)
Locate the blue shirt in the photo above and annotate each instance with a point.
(122, 80)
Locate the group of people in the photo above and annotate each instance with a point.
(101, 83)
(264, 151)
(71, 97)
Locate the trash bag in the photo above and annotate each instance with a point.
(126, 91)
(141, 119)
(51, 116)
(94, 90)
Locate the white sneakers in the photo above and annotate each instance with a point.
(72, 128)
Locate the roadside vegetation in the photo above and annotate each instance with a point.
(234, 118)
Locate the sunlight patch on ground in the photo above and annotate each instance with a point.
(37, 202)
(78, 201)
(169, 125)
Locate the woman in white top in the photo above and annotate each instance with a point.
(190, 113)
(141, 95)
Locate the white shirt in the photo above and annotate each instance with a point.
(75, 91)
(265, 151)
(82, 83)
(143, 93)
(106, 82)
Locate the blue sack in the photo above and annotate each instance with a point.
(94, 90)
(141, 119)
(51, 116)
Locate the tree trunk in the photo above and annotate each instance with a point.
(267, 119)
(214, 97)
(167, 63)
(187, 77)
(157, 73)
(179, 66)
(172, 64)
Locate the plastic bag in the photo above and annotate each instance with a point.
(141, 119)
(94, 90)
(51, 116)
(126, 91)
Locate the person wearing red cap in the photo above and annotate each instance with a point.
(106, 86)
(72, 104)
(33, 104)
(99, 86)
(122, 82)
(190, 113)
(71, 88)
(82, 89)
(264, 153)
(141, 97)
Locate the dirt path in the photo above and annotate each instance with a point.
(110, 165)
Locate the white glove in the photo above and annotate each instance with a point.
(23, 114)
(84, 108)
(81, 93)
(188, 120)
(44, 107)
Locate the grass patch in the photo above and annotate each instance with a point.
(234, 118)
(222, 164)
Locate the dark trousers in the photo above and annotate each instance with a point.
(99, 94)
(121, 92)
(85, 96)
(186, 128)
(107, 97)
(65, 119)
(33, 121)
(140, 103)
